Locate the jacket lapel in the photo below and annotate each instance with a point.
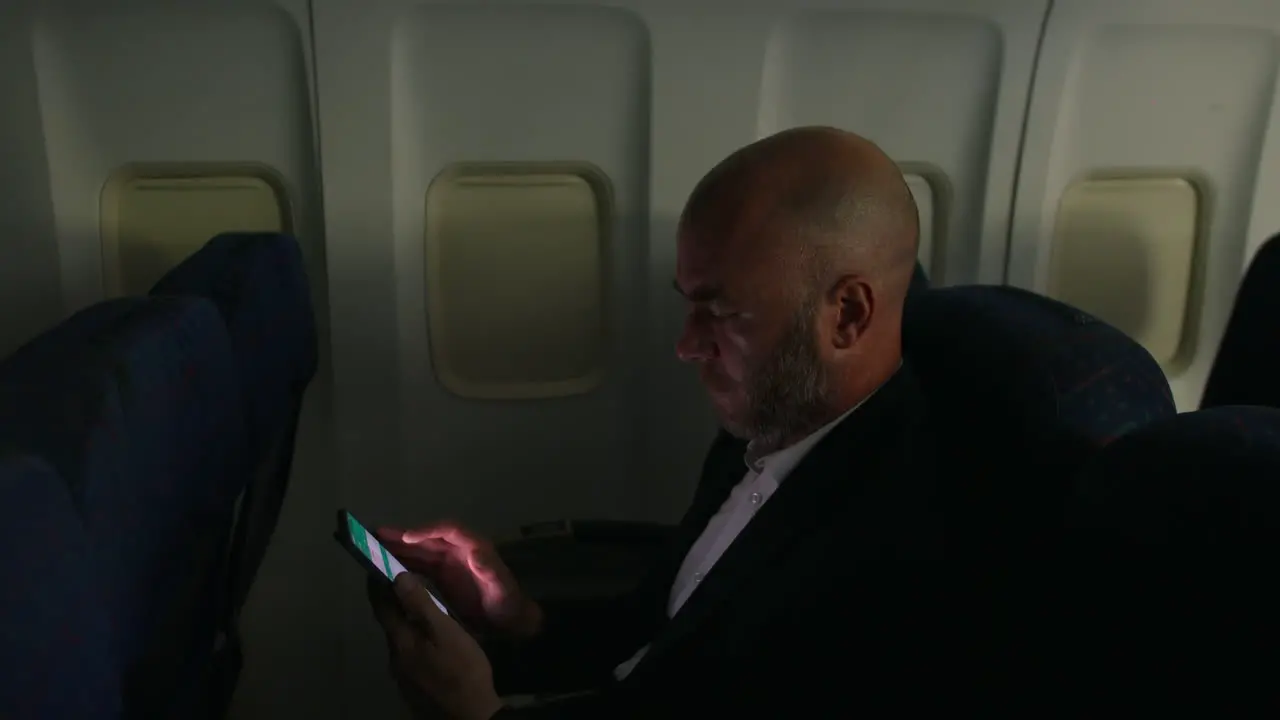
(814, 488)
(722, 469)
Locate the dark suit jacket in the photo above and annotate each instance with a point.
(831, 599)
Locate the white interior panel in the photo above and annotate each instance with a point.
(1123, 250)
(953, 100)
(1165, 87)
(531, 239)
(157, 83)
(458, 75)
(30, 286)
(922, 192)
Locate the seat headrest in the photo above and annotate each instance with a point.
(258, 282)
(150, 364)
(1031, 365)
(1244, 371)
(919, 279)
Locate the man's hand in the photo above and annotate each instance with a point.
(475, 582)
(440, 668)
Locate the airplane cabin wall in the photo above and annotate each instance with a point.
(29, 274)
(1114, 154)
(1150, 168)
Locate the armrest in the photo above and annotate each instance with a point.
(583, 559)
(581, 573)
(600, 531)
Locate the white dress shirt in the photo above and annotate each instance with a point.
(745, 500)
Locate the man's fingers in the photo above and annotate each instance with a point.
(448, 531)
(382, 597)
(425, 551)
(387, 533)
(431, 550)
(419, 558)
(402, 633)
(418, 603)
(403, 636)
(393, 538)
(391, 616)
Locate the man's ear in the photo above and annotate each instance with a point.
(855, 303)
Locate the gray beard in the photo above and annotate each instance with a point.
(788, 394)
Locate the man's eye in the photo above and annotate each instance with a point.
(712, 313)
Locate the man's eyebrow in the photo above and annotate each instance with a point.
(700, 294)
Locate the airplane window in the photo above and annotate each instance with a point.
(1123, 250)
(515, 257)
(153, 218)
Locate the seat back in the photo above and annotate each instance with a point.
(259, 284)
(58, 657)
(1022, 389)
(1244, 372)
(1173, 530)
(135, 404)
(919, 279)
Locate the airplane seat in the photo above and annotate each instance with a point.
(1014, 364)
(57, 649)
(1172, 530)
(919, 279)
(567, 560)
(1021, 389)
(1244, 372)
(259, 284)
(135, 404)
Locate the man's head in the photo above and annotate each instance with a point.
(795, 254)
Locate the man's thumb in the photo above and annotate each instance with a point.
(414, 598)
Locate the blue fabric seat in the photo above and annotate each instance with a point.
(1025, 388)
(259, 283)
(1171, 598)
(1245, 369)
(136, 405)
(1022, 390)
(58, 655)
(919, 279)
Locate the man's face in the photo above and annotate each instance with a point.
(754, 342)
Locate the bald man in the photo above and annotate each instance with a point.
(806, 576)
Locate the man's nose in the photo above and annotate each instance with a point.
(694, 345)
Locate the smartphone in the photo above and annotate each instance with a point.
(370, 553)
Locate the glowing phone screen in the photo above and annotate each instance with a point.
(385, 562)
